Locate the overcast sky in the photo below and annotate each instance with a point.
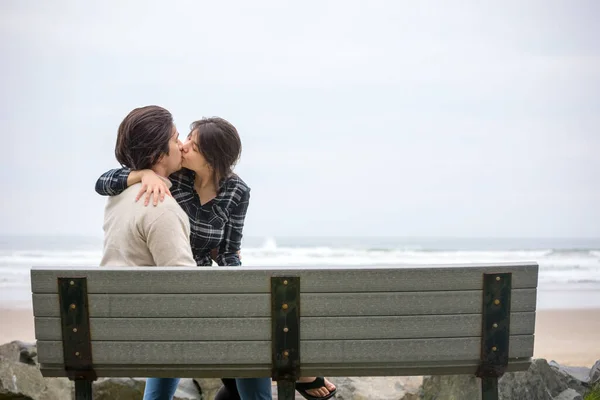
(364, 118)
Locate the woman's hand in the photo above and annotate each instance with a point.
(215, 252)
(152, 184)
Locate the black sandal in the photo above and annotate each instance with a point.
(319, 382)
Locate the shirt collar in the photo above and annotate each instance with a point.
(192, 176)
(166, 181)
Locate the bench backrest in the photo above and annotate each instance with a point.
(239, 322)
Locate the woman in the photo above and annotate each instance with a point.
(216, 201)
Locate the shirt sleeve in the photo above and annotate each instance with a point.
(232, 240)
(113, 182)
(168, 239)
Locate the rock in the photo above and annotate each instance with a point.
(208, 387)
(28, 354)
(587, 376)
(19, 381)
(188, 390)
(22, 381)
(382, 388)
(594, 375)
(19, 352)
(118, 388)
(57, 388)
(450, 387)
(10, 351)
(541, 381)
(569, 394)
(411, 396)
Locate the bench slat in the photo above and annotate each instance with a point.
(324, 279)
(259, 352)
(258, 305)
(254, 371)
(311, 328)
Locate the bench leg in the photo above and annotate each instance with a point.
(489, 388)
(83, 389)
(286, 390)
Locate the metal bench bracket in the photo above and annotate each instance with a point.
(285, 324)
(76, 335)
(495, 332)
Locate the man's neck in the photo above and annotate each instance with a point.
(160, 171)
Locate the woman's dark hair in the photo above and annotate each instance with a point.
(144, 137)
(219, 143)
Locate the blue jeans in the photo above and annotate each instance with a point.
(249, 388)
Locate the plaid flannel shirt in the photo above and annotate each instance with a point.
(216, 224)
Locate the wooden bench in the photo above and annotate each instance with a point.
(284, 323)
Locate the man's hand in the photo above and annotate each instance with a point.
(152, 184)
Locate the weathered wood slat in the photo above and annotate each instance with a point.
(258, 305)
(311, 351)
(255, 279)
(254, 371)
(311, 328)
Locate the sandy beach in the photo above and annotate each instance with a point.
(569, 337)
(16, 324)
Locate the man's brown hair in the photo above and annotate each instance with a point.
(143, 137)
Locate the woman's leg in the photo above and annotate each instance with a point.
(160, 388)
(254, 388)
(228, 391)
(321, 391)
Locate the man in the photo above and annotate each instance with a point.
(135, 235)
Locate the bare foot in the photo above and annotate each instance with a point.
(320, 392)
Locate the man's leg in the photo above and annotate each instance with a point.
(254, 388)
(160, 388)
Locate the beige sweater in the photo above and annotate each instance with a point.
(138, 235)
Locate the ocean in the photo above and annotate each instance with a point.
(569, 275)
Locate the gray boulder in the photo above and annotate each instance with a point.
(450, 387)
(118, 389)
(569, 394)
(594, 375)
(18, 351)
(208, 387)
(19, 379)
(542, 381)
(380, 388)
(188, 390)
(587, 376)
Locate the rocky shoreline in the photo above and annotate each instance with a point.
(20, 378)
